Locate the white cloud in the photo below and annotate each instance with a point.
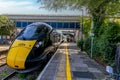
(15, 7)
(27, 7)
(13, 4)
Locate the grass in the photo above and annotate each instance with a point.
(4, 74)
(21, 75)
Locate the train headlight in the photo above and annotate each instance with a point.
(38, 44)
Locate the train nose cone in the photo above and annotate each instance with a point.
(18, 53)
(17, 57)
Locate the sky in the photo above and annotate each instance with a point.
(29, 7)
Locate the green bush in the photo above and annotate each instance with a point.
(80, 44)
(87, 44)
(112, 36)
(104, 45)
(87, 27)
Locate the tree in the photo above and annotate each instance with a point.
(6, 26)
(87, 27)
(98, 9)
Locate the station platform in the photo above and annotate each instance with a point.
(69, 63)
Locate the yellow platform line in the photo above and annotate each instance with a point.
(68, 70)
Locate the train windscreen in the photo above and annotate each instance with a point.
(32, 33)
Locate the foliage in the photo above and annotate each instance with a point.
(80, 44)
(86, 31)
(87, 45)
(6, 26)
(110, 6)
(96, 8)
(86, 27)
(4, 74)
(105, 44)
(21, 75)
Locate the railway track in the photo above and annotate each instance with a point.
(3, 57)
(1, 65)
(10, 75)
(15, 75)
(3, 52)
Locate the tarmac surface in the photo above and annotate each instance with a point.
(81, 67)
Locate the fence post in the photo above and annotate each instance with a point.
(117, 59)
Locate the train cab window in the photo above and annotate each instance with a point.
(38, 30)
(32, 33)
(27, 33)
(35, 32)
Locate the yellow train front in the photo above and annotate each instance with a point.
(27, 49)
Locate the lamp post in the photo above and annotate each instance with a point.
(92, 37)
(82, 30)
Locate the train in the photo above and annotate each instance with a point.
(32, 45)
